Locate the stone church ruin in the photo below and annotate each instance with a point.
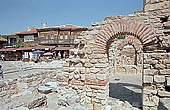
(99, 53)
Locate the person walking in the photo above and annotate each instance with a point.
(1, 72)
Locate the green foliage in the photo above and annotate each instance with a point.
(27, 45)
(18, 45)
(121, 37)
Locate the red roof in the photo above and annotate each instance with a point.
(31, 31)
(44, 47)
(7, 49)
(24, 48)
(70, 26)
(37, 48)
(3, 39)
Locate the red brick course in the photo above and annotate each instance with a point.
(82, 83)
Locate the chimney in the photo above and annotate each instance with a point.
(44, 25)
(29, 28)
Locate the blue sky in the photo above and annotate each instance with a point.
(17, 15)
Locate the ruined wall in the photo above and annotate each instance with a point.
(88, 68)
(16, 92)
(158, 12)
(87, 73)
(156, 79)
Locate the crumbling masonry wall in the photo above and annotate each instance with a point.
(155, 80)
(88, 68)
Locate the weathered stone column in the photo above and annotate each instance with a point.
(97, 82)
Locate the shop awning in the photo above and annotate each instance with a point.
(48, 54)
(37, 52)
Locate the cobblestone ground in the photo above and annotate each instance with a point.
(125, 90)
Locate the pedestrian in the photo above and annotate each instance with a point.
(1, 72)
(3, 57)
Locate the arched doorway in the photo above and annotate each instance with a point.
(125, 60)
(125, 55)
(112, 30)
(88, 67)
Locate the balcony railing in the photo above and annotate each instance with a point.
(55, 41)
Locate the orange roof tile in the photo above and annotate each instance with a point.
(3, 39)
(7, 49)
(31, 31)
(70, 26)
(36, 47)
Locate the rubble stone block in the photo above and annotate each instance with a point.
(101, 96)
(52, 99)
(94, 70)
(147, 66)
(101, 76)
(148, 79)
(168, 81)
(165, 72)
(159, 79)
(21, 108)
(22, 85)
(166, 61)
(148, 72)
(168, 66)
(2, 84)
(160, 66)
(164, 94)
(148, 103)
(147, 91)
(44, 89)
(100, 65)
(90, 76)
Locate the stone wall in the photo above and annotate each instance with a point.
(87, 74)
(158, 12)
(26, 84)
(155, 79)
(88, 68)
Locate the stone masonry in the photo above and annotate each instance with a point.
(155, 79)
(88, 68)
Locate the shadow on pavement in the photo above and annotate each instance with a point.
(126, 92)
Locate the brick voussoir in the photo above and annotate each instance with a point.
(77, 82)
(147, 35)
(97, 82)
(62, 79)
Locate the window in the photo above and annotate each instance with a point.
(66, 36)
(28, 38)
(61, 37)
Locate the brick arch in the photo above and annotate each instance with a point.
(111, 30)
(132, 42)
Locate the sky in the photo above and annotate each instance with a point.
(17, 15)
